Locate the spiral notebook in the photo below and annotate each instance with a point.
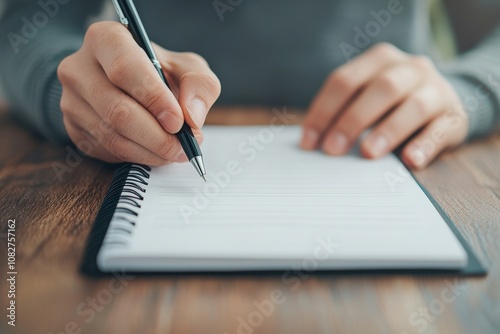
(267, 206)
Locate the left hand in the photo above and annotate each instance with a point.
(396, 93)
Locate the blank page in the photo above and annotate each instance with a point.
(267, 204)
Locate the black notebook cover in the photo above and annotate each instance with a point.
(121, 178)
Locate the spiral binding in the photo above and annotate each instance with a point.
(120, 206)
(126, 210)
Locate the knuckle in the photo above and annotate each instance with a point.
(166, 148)
(423, 62)
(151, 99)
(102, 33)
(385, 48)
(343, 80)
(420, 105)
(194, 57)
(118, 114)
(64, 71)
(94, 32)
(118, 67)
(389, 84)
(65, 105)
(116, 146)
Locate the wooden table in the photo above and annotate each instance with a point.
(53, 219)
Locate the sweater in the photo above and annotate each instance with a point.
(267, 53)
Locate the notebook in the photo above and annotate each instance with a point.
(267, 205)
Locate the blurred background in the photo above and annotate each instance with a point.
(450, 35)
(108, 13)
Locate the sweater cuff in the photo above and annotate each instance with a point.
(479, 103)
(49, 92)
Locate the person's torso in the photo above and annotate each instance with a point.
(279, 52)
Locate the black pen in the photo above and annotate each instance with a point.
(130, 19)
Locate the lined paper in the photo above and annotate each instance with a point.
(267, 204)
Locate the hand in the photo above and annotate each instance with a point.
(396, 93)
(115, 105)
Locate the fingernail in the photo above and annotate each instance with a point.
(169, 121)
(337, 143)
(198, 111)
(310, 139)
(417, 158)
(377, 144)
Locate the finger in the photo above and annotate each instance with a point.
(128, 67)
(85, 144)
(340, 87)
(198, 86)
(124, 115)
(425, 104)
(432, 140)
(381, 94)
(124, 149)
(92, 133)
(74, 113)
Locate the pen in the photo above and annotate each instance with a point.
(130, 19)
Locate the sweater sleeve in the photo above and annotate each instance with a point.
(475, 76)
(35, 37)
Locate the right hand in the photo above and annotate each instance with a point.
(115, 105)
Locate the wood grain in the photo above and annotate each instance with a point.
(54, 216)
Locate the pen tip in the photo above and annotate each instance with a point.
(204, 178)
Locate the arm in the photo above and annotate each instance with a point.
(401, 95)
(36, 36)
(475, 76)
(97, 87)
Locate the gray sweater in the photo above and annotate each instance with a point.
(268, 53)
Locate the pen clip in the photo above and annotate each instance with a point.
(119, 11)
